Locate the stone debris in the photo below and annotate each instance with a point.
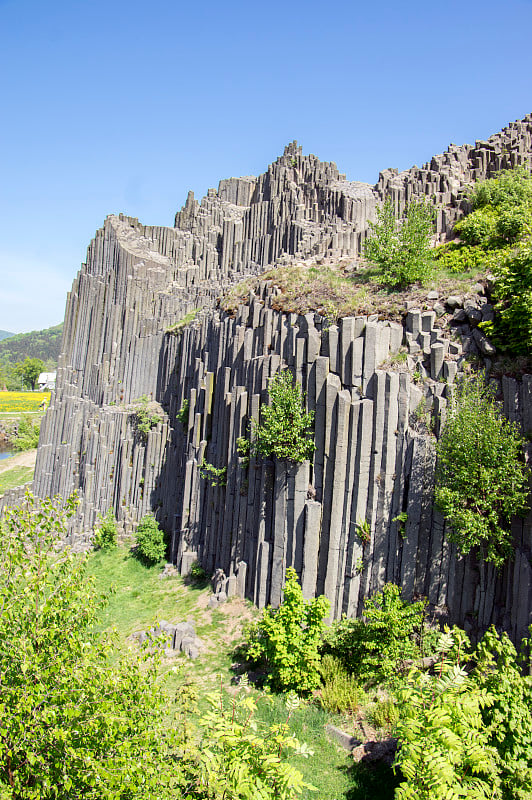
(178, 638)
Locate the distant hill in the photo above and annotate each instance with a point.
(5, 335)
(37, 344)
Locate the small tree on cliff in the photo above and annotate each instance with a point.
(402, 248)
(286, 428)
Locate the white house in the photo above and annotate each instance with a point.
(46, 381)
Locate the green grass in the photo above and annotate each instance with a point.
(140, 597)
(15, 476)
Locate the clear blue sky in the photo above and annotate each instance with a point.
(125, 106)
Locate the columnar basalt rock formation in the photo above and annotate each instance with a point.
(336, 521)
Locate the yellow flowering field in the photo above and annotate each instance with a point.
(22, 401)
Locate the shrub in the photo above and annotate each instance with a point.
(149, 543)
(511, 329)
(287, 639)
(481, 481)
(391, 631)
(285, 430)
(27, 437)
(467, 730)
(478, 228)
(402, 248)
(240, 761)
(182, 414)
(444, 749)
(216, 476)
(340, 693)
(106, 533)
(146, 415)
(197, 574)
(511, 187)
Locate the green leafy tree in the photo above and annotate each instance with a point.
(285, 430)
(150, 546)
(29, 370)
(402, 248)
(74, 720)
(481, 479)
(390, 631)
(288, 638)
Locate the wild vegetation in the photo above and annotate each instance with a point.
(481, 478)
(285, 429)
(401, 248)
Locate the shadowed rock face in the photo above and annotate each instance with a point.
(370, 462)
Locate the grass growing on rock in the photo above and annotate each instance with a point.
(336, 290)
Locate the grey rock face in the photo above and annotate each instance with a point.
(373, 460)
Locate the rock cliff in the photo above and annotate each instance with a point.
(142, 321)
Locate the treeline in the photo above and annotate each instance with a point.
(40, 347)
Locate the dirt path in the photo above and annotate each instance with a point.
(26, 459)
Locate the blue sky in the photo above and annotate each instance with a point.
(125, 106)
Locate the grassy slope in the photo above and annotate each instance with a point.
(15, 477)
(141, 596)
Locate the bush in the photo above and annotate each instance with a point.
(478, 228)
(444, 749)
(512, 187)
(511, 329)
(458, 258)
(391, 631)
(481, 480)
(27, 437)
(149, 542)
(146, 415)
(285, 430)
(467, 730)
(76, 721)
(402, 248)
(287, 639)
(106, 533)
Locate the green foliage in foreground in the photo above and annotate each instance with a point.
(73, 720)
(467, 733)
(27, 437)
(402, 248)
(481, 479)
(79, 718)
(287, 639)
(373, 646)
(149, 540)
(285, 429)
